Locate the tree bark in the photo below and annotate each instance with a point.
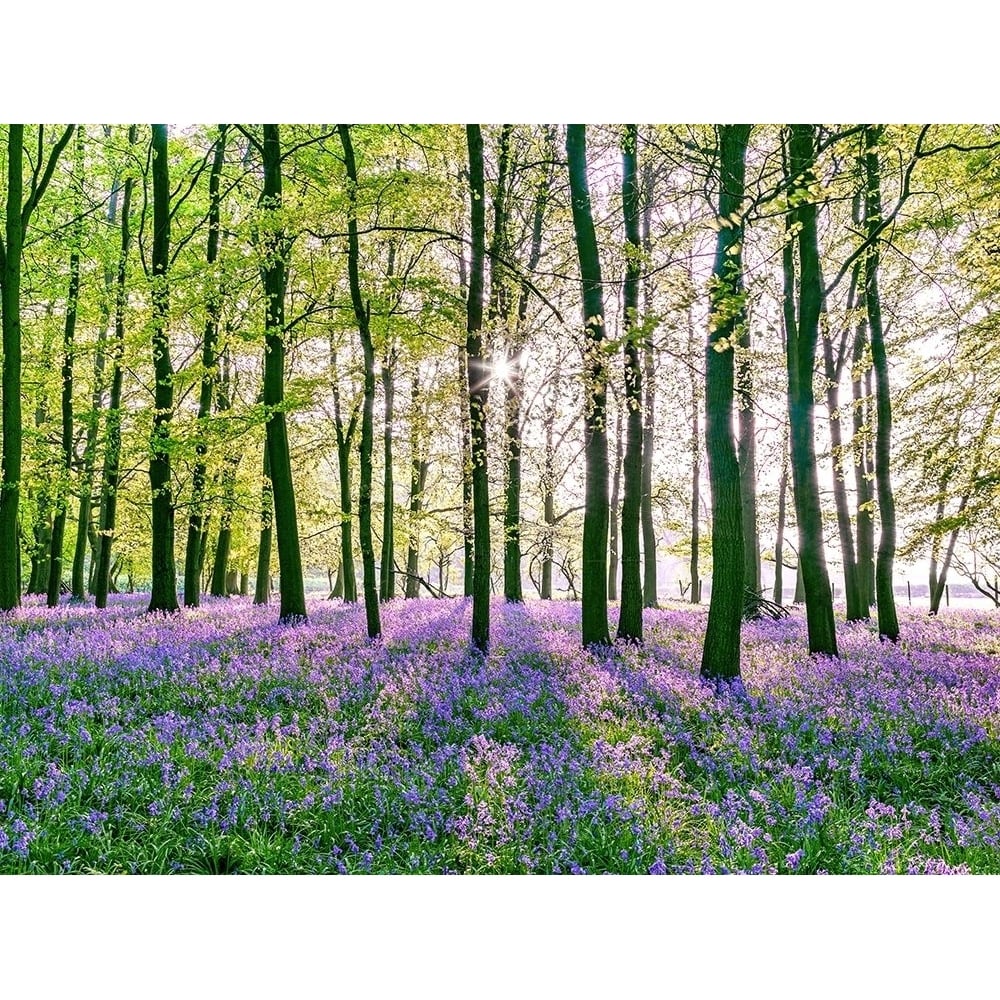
(721, 654)
(387, 580)
(779, 543)
(164, 573)
(273, 272)
(85, 530)
(595, 517)
(362, 313)
(857, 609)
(747, 457)
(802, 340)
(213, 306)
(262, 586)
(17, 215)
(513, 389)
(478, 395)
(888, 624)
(630, 610)
(616, 477)
(649, 598)
(695, 508)
(861, 447)
(223, 542)
(111, 474)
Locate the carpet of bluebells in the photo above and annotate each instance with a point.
(218, 741)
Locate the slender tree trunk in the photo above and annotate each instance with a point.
(857, 610)
(615, 501)
(649, 598)
(779, 543)
(292, 586)
(888, 624)
(548, 498)
(747, 457)
(164, 572)
(861, 448)
(478, 396)
(595, 517)
(721, 653)
(802, 339)
(17, 215)
(213, 305)
(346, 519)
(695, 572)
(223, 543)
(112, 449)
(630, 611)
(262, 587)
(362, 313)
(418, 479)
(85, 522)
(10, 315)
(387, 581)
(69, 331)
(468, 532)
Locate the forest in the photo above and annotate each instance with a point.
(500, 499)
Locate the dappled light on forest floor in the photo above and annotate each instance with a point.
(216, 740)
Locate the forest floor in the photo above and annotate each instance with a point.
(218, 741)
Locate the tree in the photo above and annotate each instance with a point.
(163, 596)
(721, 654)
(193, 552)
(17, 217)
(888, 625)
(111, 474)
(802, 338)
(595, 518)
(274, 246)
(362, 313)
(630, 613)
(478, 396)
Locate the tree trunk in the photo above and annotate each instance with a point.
(747, 457)
(111, 474)
(548, 497)
(17, 216)
(478, 396)
(164, 572)
(779, 543)
(387, 581)
(721, 654)
(649, 599)
(595, 517)
(630, 611)
(362, 313)
(613, 513)
(292, 586)
(861, 447)
(223, 543)
(346, 520)
(857, 609)
(85, 522)
(888, 624)
(213, 305)
(262, 587)
(802, 339)
(10, 316)
(418, 479)
(468, 532)
(695, 597)
(69, 330)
